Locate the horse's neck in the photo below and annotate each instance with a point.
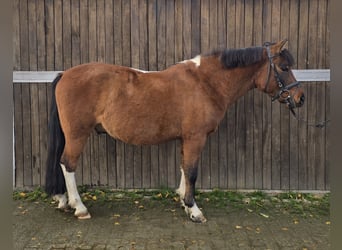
(231, 84)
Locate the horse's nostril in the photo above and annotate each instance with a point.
(302, 99)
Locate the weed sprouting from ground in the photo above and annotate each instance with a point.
(301, 204)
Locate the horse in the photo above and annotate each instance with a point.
(186, 101)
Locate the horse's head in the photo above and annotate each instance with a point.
(277, 78)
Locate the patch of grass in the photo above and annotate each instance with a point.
(37, 194)
(306, 205)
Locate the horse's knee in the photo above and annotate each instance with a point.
(70, 163)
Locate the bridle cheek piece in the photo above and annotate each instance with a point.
(284, 90)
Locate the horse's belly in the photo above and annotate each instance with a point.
(142, 133)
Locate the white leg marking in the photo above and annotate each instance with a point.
(74, 198)
(195, 213)
(181, 189)
(61, 199)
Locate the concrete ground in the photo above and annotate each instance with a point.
(153, 224)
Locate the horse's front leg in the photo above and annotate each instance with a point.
(191, 151)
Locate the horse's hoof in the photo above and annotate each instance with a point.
(198, 219)
(84, 216)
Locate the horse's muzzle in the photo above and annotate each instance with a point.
(301, 101)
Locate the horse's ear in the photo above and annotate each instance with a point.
(278, 47)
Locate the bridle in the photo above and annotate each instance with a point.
(284, 90)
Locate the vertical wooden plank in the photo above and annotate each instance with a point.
(161, 64)
(43, 130)
(84, 32)
(16, 34)
(152, 65)
(143, 35)
(127, 61)
(258, 96)
(42, 90)
(143, 64)
(222, 24)
(323, 94)
(203, 180)
(327, 97)
(249, 101)
(186, 29)
(75, 33)
(195, 27)
(266, 106)
(313, 133)
(205, 26)
(222, 154)
(240, 105)
(18, 128)
(222, 130)
(135, 48)
(58, 41)
(231, 22)
(170, 60)
(67, 38)
(126, 33)
(170, 34)
(109, 58)
(49, 34)
(50, 64)
(18, 135)
(93, 140)
(27, 135)
(275, 110)
(101, 51)
(178, 57)
(302, 112)
(84, 170)
(178, 30)
(34, 105)
(118, 59)
(111, 161)
(23, 19)
(134, 33)
(293, 131)
(284, 112)
(100, 31)
(76, 60)
(213, 139)
(152, 35)
(231, 113)
(117, 32)
(109, 31)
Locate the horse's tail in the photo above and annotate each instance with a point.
(54, 179)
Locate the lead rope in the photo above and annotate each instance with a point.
(321, 124)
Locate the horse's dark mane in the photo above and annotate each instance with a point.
(233, 58)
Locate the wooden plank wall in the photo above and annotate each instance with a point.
(258, 145)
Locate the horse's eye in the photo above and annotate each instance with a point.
(284, 68)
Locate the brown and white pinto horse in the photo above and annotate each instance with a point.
(186, 101)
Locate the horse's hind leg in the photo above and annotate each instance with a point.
(71, 154)
(191, 152)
